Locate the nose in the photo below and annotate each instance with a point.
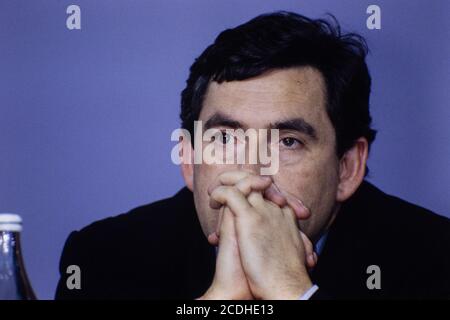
(250, 168)
(253, 156)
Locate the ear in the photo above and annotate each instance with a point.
(352, 167)
(187, 161)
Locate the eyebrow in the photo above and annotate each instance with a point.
(296, 124)
(221, 120)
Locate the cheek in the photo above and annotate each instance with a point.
(315, 183)
(297, 180)
(306, 171)
(204, 175)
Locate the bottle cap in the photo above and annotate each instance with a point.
(10, 222)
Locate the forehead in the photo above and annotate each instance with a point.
(273, 96)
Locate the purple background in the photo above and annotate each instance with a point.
(86, 115)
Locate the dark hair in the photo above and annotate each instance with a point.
(282, 40)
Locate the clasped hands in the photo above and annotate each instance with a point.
(262, 254)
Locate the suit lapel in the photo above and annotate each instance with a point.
(341, 270)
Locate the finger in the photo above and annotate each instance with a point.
(245, 187)
(227, 178)
(273, 194)
(257, 201)
(253, 183)
(251, 187)
(250, 184)
(227, 227)
(233, 198)
(227, 250)
(309, 251)
(219, 223)
(301, 211)
(213, 239)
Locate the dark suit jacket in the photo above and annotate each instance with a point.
(158, 251)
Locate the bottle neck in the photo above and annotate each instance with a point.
(8, 252)
(14, 282)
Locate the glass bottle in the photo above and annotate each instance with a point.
(14, 283)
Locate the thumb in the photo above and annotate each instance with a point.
(228, 247)
(229, 279)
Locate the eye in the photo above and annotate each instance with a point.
(290, 142)
(222, 137)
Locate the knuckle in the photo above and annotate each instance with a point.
(233, 191)
(256, 221)
(244, 186)
(218, 192)
(253, 198)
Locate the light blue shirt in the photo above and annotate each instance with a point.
(318, 249)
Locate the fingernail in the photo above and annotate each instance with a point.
(303, 205)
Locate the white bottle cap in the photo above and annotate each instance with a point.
(10, 222)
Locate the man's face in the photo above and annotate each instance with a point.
(291, 100)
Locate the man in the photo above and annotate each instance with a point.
(314, 229)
